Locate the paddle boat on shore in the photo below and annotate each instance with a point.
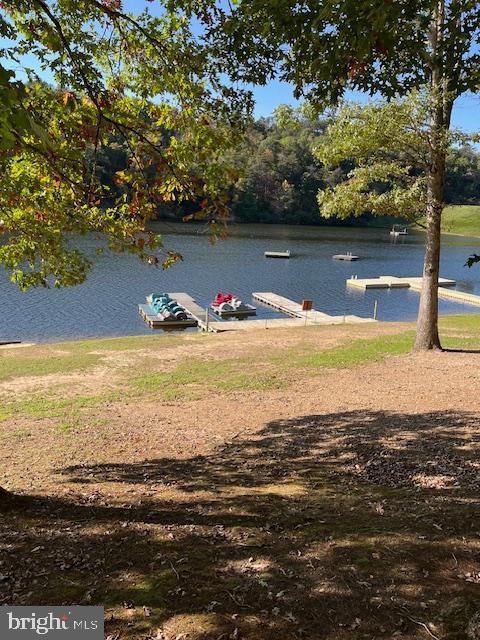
(227, 305)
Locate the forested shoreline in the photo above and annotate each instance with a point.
(276, 176)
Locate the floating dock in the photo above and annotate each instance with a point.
(277, 254)
(451, 294)
(201, 317)
(295, 310)
(392, 282)
(154, 321)
(242, 313)
(345, 256)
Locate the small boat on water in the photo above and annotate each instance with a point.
(398, 232)
(277, 254)
(227, 305)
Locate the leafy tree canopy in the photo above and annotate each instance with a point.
(375, 46)
(389, 145)
(140, 79)
(324, 48)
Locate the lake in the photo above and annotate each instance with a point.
(106, 305)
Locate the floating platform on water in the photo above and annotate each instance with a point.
(239, 313)
(154, 321)
(295, 310)
(345, 256)
(392, 282)
(277, 254)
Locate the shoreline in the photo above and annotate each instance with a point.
(460, 235)
(181, 336)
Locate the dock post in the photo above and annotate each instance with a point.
(206, 319)
(375, 310)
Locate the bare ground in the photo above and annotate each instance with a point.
(343, 505)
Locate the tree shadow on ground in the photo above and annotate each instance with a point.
(449, 350)
(348, 525)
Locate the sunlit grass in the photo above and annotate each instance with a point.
(17, 364)
(356, 353)
(235, 374)
(39, 407)
(126, 343)
(463, 219)
(262, 370)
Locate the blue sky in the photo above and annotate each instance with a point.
(465, 115)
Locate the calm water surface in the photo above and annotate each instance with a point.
(106, 305)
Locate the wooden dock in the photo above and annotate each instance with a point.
(294, 309)
(279, 303)
(206, 321)
(191, 306)
(392, 282)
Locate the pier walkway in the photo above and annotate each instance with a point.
(194, 309)
(294, 309)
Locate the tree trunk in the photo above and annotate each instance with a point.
(427, 325)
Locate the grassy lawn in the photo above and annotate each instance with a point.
(27, 363)
(146, 376)
(312, 483)
(462, 219)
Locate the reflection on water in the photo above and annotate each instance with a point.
(107, 303)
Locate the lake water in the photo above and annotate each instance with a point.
(106, 305)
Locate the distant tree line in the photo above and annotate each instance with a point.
(276, 175)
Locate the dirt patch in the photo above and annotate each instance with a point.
(342, 506)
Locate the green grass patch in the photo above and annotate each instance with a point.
(356, 353)
(21, 364)
(126, 343)
(69, 408)
(467, 323)
(463, 219)
(455, 342)
(195, 375)
(65, 427)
